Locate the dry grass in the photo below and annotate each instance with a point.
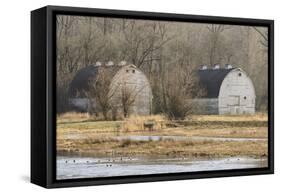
(164, 147)
(72, 117)
(80, 133)
(66, 125)
(260, 116)
(75, 116)
(220, 131)
(136, 123)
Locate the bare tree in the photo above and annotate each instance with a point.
(215, 36)
(141, 40)
(128, 97)
(67, 59)
(99, 92)
(182, 86)
(261, 82)
(68, 53)
(263, 35)
(156, 47)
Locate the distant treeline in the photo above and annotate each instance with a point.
(169, 53)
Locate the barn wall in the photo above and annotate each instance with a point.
(205, 106)
(135, 81)
(138, 85)
(237, 94)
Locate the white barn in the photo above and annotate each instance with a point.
(123, 77)
(228, 90)
(132, 79)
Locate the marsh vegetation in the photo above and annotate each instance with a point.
(83, 134)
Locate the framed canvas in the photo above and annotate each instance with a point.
(126, 96)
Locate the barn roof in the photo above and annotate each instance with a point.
(211, 80)
(83, 76)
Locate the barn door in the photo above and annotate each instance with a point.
(234, 104)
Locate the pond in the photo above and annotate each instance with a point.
(70, 167)
(184, 138)
(176, 138)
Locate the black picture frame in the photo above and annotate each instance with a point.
(43, 96)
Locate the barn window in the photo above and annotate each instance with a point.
(127, 70)
(239, 74)
(133, 71)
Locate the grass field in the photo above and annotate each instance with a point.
(83, 134)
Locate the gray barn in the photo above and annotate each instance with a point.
(228, 90)
(123, 78)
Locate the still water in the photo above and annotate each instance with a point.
(184, 138)
(69, 167)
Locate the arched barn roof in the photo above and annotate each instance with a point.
(211, 80)
(83, 76)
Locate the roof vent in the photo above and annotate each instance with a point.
(228, 66)
(122, 63)
(204, 67)
(98, 64)
(109, 63)
(216, 66)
